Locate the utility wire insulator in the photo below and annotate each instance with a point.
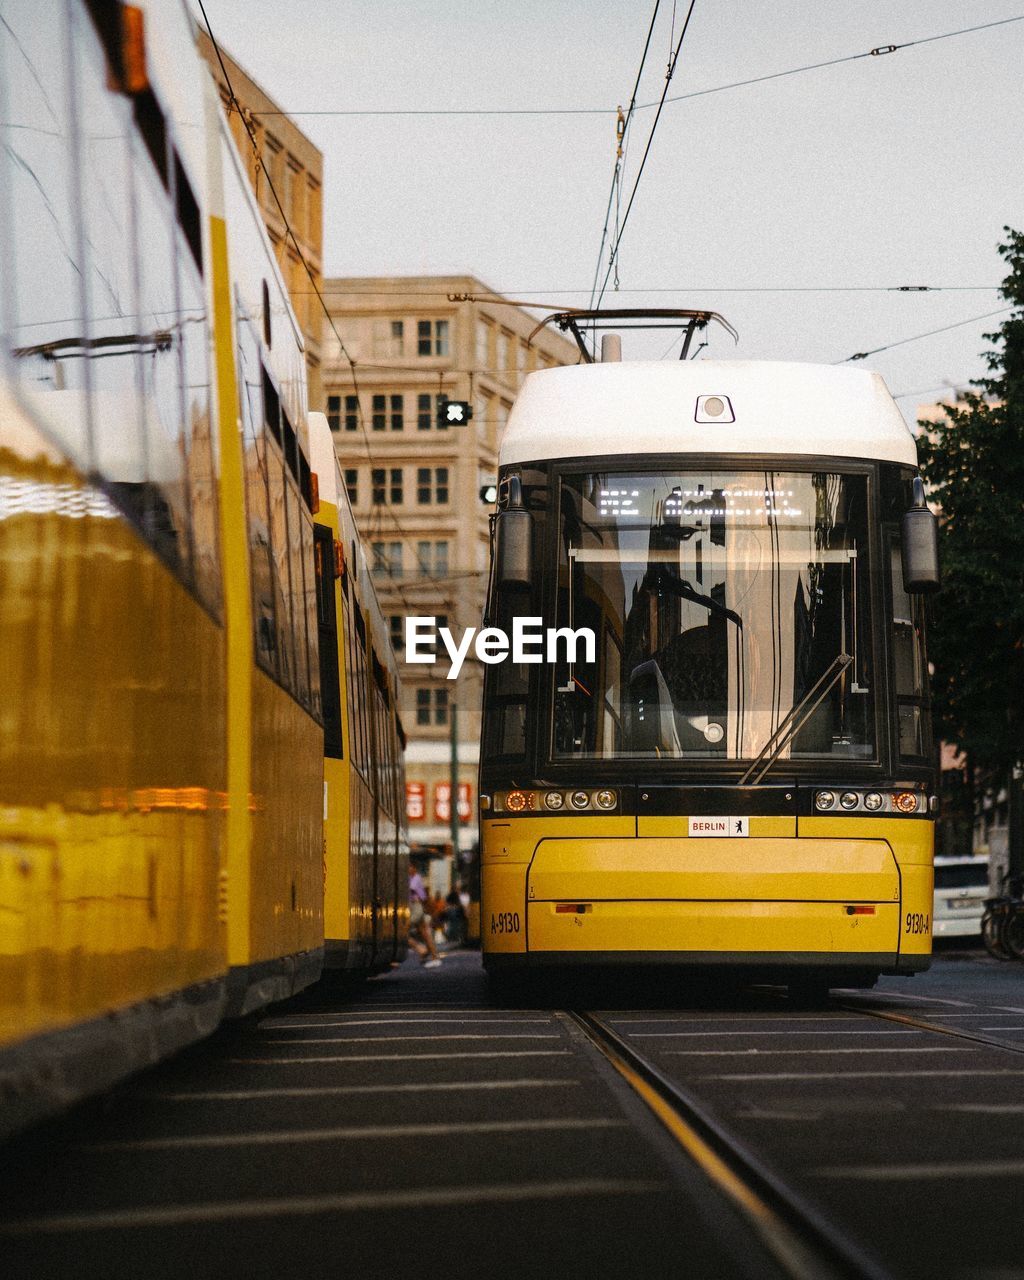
(620, 132)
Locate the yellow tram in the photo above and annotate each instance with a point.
(365, 848)
(165, 826)
(726, 760)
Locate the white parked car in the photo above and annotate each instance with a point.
(961, 887)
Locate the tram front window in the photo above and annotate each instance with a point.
(718, 600)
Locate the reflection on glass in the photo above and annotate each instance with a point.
(257, 505)
(117, 338)
(162, 399)
(42, 283)
(717, 600)
(909, 663)
(309, 610)
(282, 574)
(298, 603)
(194, 337)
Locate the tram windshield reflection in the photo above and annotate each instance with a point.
(717, 599)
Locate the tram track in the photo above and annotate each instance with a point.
(921, 1024)
(799, 1237)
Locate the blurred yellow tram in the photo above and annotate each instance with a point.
(165, 826)
(365, 847)
(738, 773)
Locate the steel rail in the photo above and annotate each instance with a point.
(958, 1033)
(797, 1234)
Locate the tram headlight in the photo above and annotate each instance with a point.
(848, 800)
(580, 800)
(605, 799)
(824, 799)
(873, 801)
(554, 800)
(905, 802)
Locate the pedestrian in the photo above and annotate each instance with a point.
(421, 937)
(455, 920)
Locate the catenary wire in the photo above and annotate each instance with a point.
(877, 51)
(501, 295)
(619, 149)
(308, 270)
(647, 151)
(861, 355)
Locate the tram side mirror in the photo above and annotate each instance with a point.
(513, 541)
(920, 534)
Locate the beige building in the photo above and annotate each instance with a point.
(296, 169)
(415, 486)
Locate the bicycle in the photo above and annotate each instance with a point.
(1002, 925)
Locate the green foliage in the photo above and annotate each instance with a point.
(974, 463)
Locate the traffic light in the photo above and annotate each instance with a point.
(453, 413)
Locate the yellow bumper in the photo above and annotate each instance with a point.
(816, 900)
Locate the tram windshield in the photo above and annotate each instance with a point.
(718, 600)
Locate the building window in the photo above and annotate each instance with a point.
(484, 329)
(388, 338)
(352, 484)
(271, 157)
(313, 229)
(426, 413)
(334, 412)
(504, 351)
(396, 627)
(521, 356)
(351, 413)
(387, 559)
(387, 486)
(388, 411)
(432, 337)
(431, 706)
(432, 559)
(298, 194)
(431, 485)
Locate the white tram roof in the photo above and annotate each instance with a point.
(635, 407)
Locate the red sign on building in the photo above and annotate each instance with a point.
(443, 801)
(415, 801)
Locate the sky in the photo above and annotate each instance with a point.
(886, 170)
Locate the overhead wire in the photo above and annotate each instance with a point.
(290, 234)
(877, 51)
(621, 135)
(952, 388)
(501, 296)
(647, 150)
(862, 355)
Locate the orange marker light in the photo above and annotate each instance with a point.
(905, 802)
(516, 801)
(133, 50)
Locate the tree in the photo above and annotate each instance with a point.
(974, 463)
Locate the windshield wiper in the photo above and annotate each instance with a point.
(664, 579)
(794, 720)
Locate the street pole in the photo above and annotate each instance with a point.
(453, 809)
(1015, 820)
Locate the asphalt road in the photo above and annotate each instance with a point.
(422, 1126)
